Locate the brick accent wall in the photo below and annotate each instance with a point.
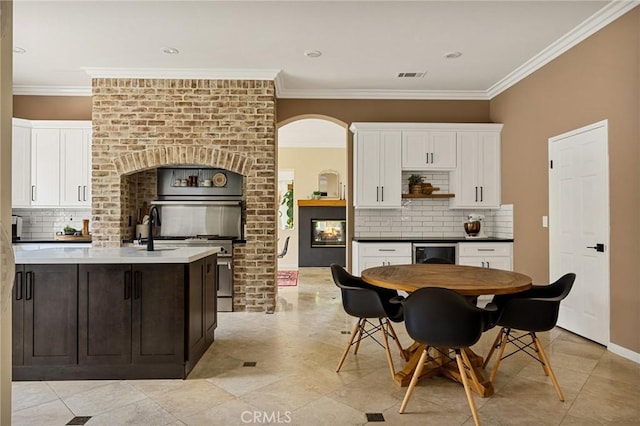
(142, 124)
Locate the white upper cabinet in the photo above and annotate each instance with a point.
(45, 167)
(21, 164)
(60, 160)
(377, 168)
(75, 173)
(476, 181)
(428, 150)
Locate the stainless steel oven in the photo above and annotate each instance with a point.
(423, 251)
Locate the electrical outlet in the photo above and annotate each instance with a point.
(545, 221)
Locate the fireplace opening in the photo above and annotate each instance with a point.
(328, 233)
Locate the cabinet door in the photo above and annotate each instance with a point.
(415, 150)
(17, 312)
(196, 338)
(157, 313)
(86, 194)
(21, 167)
(367, 169)
(471, 261)
(463, 181)
(371, 262)
(50, 314)
(489, 169)
(74, 168)
(210, 296)
(104, 314)
(45, 167)
(443, 151)
(390, 169)
(503, 263)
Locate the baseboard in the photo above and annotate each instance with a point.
(624, 352)
(283, 267)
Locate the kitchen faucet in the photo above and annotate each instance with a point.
(153, 213)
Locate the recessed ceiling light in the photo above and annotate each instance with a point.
(452, 55)
(19, 50)
(312, 53)
(170, 50)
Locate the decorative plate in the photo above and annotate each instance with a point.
(219, 179)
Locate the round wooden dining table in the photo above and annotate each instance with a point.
(469, 281)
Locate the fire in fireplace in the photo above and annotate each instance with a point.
(328, 233)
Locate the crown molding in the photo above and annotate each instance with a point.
(588, 27)
(382, 94)
(182, 73)
(26, 90)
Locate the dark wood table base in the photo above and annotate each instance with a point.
(441, 364)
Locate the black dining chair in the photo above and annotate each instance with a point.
(365, 302)
(285, 247)
(441, 318)
(531, 311)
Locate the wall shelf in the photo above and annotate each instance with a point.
(322, 203)
(428, 195)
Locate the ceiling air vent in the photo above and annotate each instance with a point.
(411, 74)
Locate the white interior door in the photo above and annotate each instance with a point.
(579, 228)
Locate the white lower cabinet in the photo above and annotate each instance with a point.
(369, 255)
(486, 255)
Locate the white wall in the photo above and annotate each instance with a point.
(308, 147)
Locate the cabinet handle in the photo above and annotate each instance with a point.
(488, 265)
(127, 285)
(137, 284)
(476, 194)
(486, 249)
(377, 193)
(84, 193)
(18, 285)
(483, 263)
(426, 159)
(79, 196)
(382, 191)
(432, 158)
(386, 249)
(33, 192)
(481, 196)
(29, 290)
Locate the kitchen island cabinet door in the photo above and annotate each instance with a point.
(50, 314)
(17, 314)
(104, 314)
(158, 313)
(196, 338)
(211, 296)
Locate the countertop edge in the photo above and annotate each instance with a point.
(125, 255)
(430, 240)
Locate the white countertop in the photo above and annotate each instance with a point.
(72, 255)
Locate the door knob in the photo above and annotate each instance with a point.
(598, 247)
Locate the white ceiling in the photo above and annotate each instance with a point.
(364, 44)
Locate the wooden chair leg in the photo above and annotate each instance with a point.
(386, 349)
(346, 350)
(544, 366)
(467, 389)
(403, 353)
(414, 379)
(471, 373)
(363, 322)
(494, 371)
(493, 348)
(545, 361)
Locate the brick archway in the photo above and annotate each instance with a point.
(180, 155)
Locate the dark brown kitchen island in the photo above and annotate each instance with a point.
(112, 313)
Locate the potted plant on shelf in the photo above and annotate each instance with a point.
(415, 184)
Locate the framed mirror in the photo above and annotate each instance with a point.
(329, 183)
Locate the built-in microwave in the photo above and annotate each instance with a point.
(421, 252)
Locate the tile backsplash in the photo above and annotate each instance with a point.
(430, 217)
(42, 224)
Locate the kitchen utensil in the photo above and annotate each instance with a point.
(472, 227)
(207, 182)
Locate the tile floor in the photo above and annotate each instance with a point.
(294, 381)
